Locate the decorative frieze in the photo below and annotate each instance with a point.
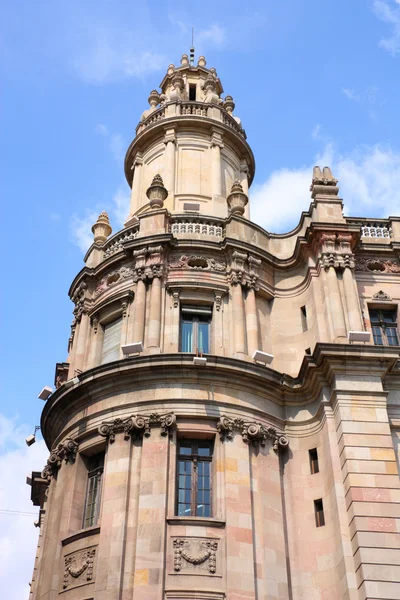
(195, 555)
(252, 432)
(64, 451)
(79, 568)
(137, 426)
(376, 265)
(111, 279)
(196, 262)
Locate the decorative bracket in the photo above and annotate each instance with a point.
(252, 432)
(137, 426)
(64, 451)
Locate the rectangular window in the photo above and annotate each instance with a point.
(93, 490)
(304, 323)
(194, 478)
(195, 330)
(319, 513)
(314, 466)
(384, 327)
(111, 341)
(192, 92)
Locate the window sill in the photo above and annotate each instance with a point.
(200, 521)
(82, 533)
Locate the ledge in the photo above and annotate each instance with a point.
(82, 533)
(200, 521)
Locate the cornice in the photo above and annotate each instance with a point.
(317, 371)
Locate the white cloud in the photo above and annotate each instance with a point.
(391, 15)
(18, 536)
(81, 229)
(369, 180)
(351, 95)
(101, 129)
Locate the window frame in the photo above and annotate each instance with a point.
(314, 461)
(199, 311)
(319, 513)
(96, 472)
(382, 325)
(194, 459)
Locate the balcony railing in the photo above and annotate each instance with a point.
(116, 243)
(375, 230)
(196, 226)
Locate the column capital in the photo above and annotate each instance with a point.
(252, 432)
(137, 426)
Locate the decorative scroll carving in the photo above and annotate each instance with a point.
(196, 262)
(195, 552)
(137, 425)
(336, 250)
(78, 299)
(252, 432)
(218, 300)
(64, 451)
(148, 263)
(175, 298)
(78, 567)
(381, 295)
(244, 269)
(375, 265)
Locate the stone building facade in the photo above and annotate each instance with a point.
(213, 433)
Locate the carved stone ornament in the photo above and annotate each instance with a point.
(196, 262)
(79, 300)
(218, 300)
(148, 263)
(157, 193)
(244, 270)
(323, 183)
(112, 279)
(252, 432)
(375, 265)
(137, 426)
(79, 567)
(63, 451)
(196, 555)
(381, 295)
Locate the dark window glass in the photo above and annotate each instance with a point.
(314, 466)
(319, 513)
(304, 323)
(384, 327)
(194, 478)
(192, 92)
(93, 490)
(195, 332)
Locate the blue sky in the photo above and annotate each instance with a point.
(313, 82)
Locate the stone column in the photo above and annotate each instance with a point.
(238, 315)
(152, 510)
(216, 175)
(96, 343)
(335, 302)
(169, 166)
(139, 312)
(136, 185)
(154, 323)
(352, 302)
(113, 520)
(81, 342)
(251, 322)
(240, 573)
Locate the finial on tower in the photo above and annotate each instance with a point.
(323, 183)
(156, 193)
(101, 229)
(192, 49)
(237, 199)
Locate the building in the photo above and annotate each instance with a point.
(227, 423)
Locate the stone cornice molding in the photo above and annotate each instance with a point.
(253, 433)
(137, 426)
(64, 451)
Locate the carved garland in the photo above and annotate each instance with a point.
(375, 265)
(181, 551)
(86, 564)
(137, 426)
(252, 432)
(64, 451)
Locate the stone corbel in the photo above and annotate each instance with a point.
(216, 139)
(253, 275)
(218, 300)
(252, 432)
(140, 263)
(170, 135)
(237, 270)
(137, 426)
(95, 323)
(64, 451)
